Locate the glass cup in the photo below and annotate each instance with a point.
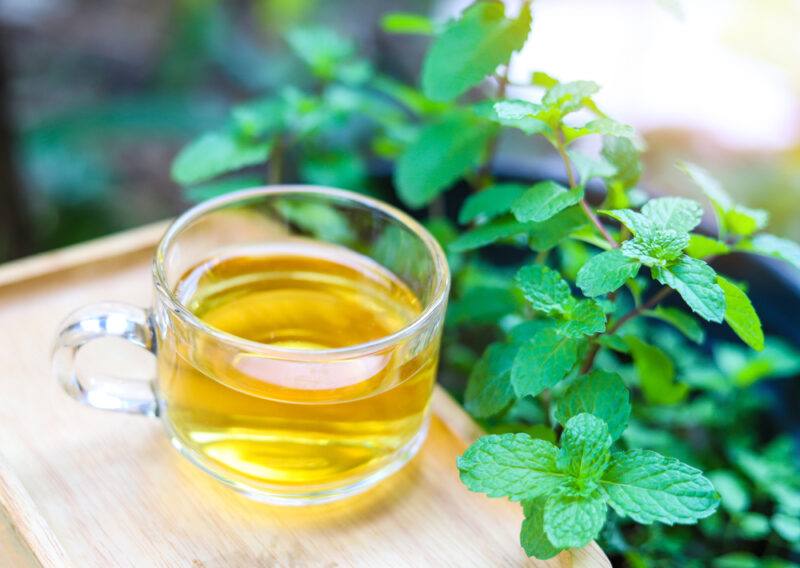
(278, 424)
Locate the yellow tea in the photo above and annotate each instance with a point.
(279, 420)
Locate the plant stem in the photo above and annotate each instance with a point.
(275, 172)
(587, 210)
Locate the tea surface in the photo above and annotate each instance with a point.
(295, 417)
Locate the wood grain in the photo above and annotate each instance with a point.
(93, 489)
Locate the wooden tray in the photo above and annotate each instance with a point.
(80, 487)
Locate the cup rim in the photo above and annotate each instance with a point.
(433, 247)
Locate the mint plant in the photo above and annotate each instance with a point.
(596, 341)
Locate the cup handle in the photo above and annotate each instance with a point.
(109, 319)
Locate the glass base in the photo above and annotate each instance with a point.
(308, 496)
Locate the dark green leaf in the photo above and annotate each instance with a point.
(543, 362)
(489, 388)
(544, 200)
(489, 233)
(547, 234)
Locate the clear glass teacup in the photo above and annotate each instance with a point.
(296, 331)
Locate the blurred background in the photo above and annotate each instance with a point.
(96, 97)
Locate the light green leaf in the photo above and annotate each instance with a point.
(754, 526)
(442, 153)
(731, 489)
(648, 487)
(615, 343)
(490, 202)
(696, 282)
(522, 115)
(585, 446)
(544, 288)
(745, 221)
(547, 234)
(259, 118)
(574, 520)
(584, 317)
(543, 362)
(532, 536)
(787, 527)
(489, 388)
(589, 167)
(334, 169)
(740, 314)
(776, 247)
(701, 246)
(471, 47)
(655, 247)
(544, 200)
(610, 127)
(322, 48)
(675, 213)
(635, 221)
(720, 200)
(599, 393)
(489, 233)
(318, 218)
(656, 373)
(569, 97)
(510, 465)
(624, 156)
(680, 320)
(482, 305)
(605, 272)
(407, 23)
(214, 154)
(542, 79)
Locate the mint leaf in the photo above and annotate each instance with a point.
(510, 465)
(481, 305)
(544, 200)
(752, 525)
(635, 221)
(569, 97)
(490, 202)
(259, 118)
(680, 320)
(674, 213)
(584, 317)
(701, 246)
(407, 23)
(656, 373)
(732, 490)
(600, 393)
(585, 446)
(547, 234)
(590, 167)
(787, 527)
(489, 389)
(471, 47)
(655, 247)
(648, 487)
(605, 272)
(696, 282)
(624, 156)
(544, 288)
(543, 362)
(442, 153)
(776, 247)
(321, 48)
(609, 127)
(214, 154)
(522, 115)
(745, 221)
(740, 314)
(532, 536)
(573, 520)
(488, 233)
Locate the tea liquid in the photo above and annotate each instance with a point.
(296, 416)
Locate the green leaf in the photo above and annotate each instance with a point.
(680, 320)
(489, 389)
(547, 234)
(656, 373)
(318, 218)
(481, 305)
(569, 97)
(712, 189)
(321, 48)
(740, 314)
(490, 202)
(442, 153)
(600, 393)
(674, 213)
(731, 489)
(334, 169)
(214, 154)
(219, 187)
(605, 272)
(696, 282)
(589, 167)
(615, 343)
(776, 247)
(471, 47)
(609, 127)
(648, 487)
(584, 317)
(636, 222)
(754, 526)
(623, 155)
(573, 520)
(407, 23)
(542, 79)
(544, 200)
(745, 221)
(532, 536)
(543, 362)
(655, 247)
(260, 118)
(701, 246)
(585, 446)
(510, 465)
(544, 288)
(787, 527)
(522, 115)
(489, 233)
